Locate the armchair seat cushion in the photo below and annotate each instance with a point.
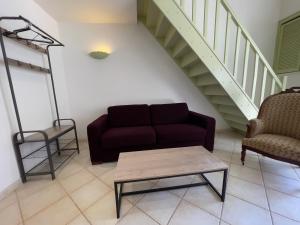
(128, 137)
(176, 133)
(273, 144)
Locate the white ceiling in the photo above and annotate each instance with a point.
(91, 11)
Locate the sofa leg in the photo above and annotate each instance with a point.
(243, 155)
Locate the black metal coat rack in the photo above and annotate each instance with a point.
(35, 38)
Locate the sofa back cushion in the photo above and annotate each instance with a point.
(169, 113)
(281, 115)
(129, 115)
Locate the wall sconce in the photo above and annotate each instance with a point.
(99, 54)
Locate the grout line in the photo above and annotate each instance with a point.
(297, 221)
(19, 207)
(45, 208)
(69, 196)
(148, 215)
(205, 210)
(266, 193)
(180, 201)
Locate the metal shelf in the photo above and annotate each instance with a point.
(51, 154)
(43, 167)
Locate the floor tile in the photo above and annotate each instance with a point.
(99, 170)
(59, 213)
(89, 193)
(223, 155)
(216, 179)
(248, 191)
(136, 186)
(282, 184)
(280, 220)
(224, 223)
(69, 169)
(108, 178)
(297, 170)
(103, 212)
(279, 168)
(239, 212)
(33, 186)
(79, 220)
(246, 173)
(136, 216)
(76, 180)
(284, 204)
(41, 200)
(10, 215)
(205, 198)
(191, 215)
(84, 160)
(159, 205)
(174, 182)
(8, 200)
(251, 161)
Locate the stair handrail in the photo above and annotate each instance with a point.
(250, 43)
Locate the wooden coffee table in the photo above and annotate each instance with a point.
(166, 163)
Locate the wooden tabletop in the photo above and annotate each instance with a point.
(152, 164)
(52, 132)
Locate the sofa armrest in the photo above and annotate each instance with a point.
(207, 123)
(254, 127)
(94, 132)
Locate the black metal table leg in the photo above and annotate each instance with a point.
(224, 185)
(118, 196)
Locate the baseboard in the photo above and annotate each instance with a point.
(8, 190)
(224, 130)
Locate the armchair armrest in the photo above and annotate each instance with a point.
(207, 123)
(94, 132)
(254, 127)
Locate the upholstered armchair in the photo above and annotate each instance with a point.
(276, 131)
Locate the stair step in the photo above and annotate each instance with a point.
(206, 80)
(152, 14)
(180, 47)
(189, 60)
(214, 90)
(235, 119)
(222, 100)
(142, 7)
(170, 37)
(230, 110)
(198, 70)
(237, 126)
(161, 26)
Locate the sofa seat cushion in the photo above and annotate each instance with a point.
(278, 145)
(128, 137)
(179, 133)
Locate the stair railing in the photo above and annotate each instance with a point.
(251, 89)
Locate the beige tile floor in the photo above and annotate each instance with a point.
(263, 192)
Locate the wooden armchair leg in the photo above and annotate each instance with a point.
(243, 155)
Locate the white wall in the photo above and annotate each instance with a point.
(31, 88)
(137, 71)
(288, 8)
(261, 19)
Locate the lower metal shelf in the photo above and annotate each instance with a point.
(43, 168)
(51, 149)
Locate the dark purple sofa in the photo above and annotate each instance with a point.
(142, 127)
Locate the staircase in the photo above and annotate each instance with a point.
(206, 40)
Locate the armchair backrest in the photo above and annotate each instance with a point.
(280, 114)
